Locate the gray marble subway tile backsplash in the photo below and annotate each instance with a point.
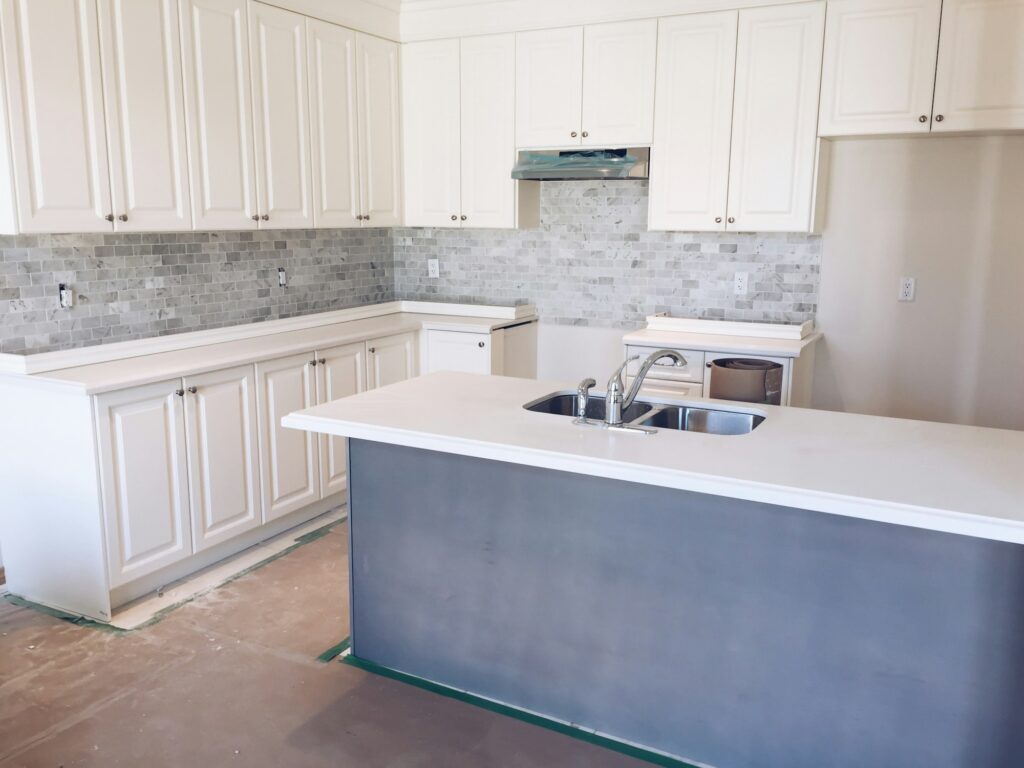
(591, 262)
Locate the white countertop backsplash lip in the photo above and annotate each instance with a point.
(942, 477)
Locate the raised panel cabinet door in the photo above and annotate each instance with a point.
(332, 120)
(458, 351)
(380, 131)
(618, 83)
(223, 463)
(979, 83)
(391, 359)
(289, 458)
(218, 113)
(431, 148)
(549, 87)
(693, 125)
(55, 99)
(341, 372)
(280, 102)
(145, 110)
(775, 116)
(141, 443)
(488, 115)
(879, 70)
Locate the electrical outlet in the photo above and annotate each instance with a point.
(433, 268)
(282, 277)
(741, 283)
(908, 286)
(66, 296)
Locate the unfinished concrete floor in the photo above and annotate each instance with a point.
(232, 679)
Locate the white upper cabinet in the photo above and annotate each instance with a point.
(281, 116)
(432, 146)
(618, 83)
(979, 84)
(549, 87)
(690, 156)
(879, 67)
(145, 114)
(218, 112)
(775, 113)
(380, 128)
(334, 134)
(55, 98)
(488, 79)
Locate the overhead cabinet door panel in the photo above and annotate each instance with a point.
(281, 116)
(333, 130)
(618, 83)
(775, 115)
(430, 87)
(549, 87)
(979, 84)
(690, 156)
(380, 149)
(145, 114)
(218, 111)
(879, 67)
(52, 68)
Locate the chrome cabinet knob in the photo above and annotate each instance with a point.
(732, 220)
(192, 390)
(585, 134)
(179, 392)
(313, 362)
(454, 217)
(939, 118)
(573, 134)
(366, 217)
(707, 365)
(463, 217)
(109, 217)
(265, 217)
(255, 217)
(718, 219)
(373, 350)
(481, 344)
(923, 119)
(322, 360)
(123, 217)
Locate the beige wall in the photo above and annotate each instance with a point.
(950, 212)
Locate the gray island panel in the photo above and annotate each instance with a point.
(735, 633)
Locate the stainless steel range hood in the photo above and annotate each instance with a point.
(575, 165)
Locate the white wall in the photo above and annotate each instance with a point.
(571, 353)
(950, 212)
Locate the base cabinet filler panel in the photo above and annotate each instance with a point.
(155, 481)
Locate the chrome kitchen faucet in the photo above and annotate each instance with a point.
(614, 400)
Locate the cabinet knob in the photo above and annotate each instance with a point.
(939, 118)
(463, 217)
(481, 344)
(322, 360)
(366, 217)
(123, 217)
(585, 134)
(454, 217)
(179, 392)
(373, 350)
(255, 217)
(265, 217)
(313, 362)
(718, 219)
(923, 119)
(359, 217)
(192, 390)
(732, 220)
(573, 134)
(109, 217)
(707, 365)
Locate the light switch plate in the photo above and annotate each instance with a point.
(433, 268)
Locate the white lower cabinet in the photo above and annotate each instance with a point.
(223, 466)
(143, 476)
(341, 371)
(392, 359)
(289, 461)
(458, 351)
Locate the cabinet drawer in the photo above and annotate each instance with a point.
(459, 351)
(692, 371)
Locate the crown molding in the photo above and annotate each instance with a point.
(375, 17)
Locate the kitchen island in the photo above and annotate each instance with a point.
(827, 590)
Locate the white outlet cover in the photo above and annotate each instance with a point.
(741, 283)
(908, 287)
(433, 268)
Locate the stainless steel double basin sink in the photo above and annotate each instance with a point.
(687, 418)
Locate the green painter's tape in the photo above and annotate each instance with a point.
(334, 651)
(629, 750)
(70, 618)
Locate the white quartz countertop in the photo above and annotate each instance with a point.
(942, 477)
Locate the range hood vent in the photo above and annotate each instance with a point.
(575, 165)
